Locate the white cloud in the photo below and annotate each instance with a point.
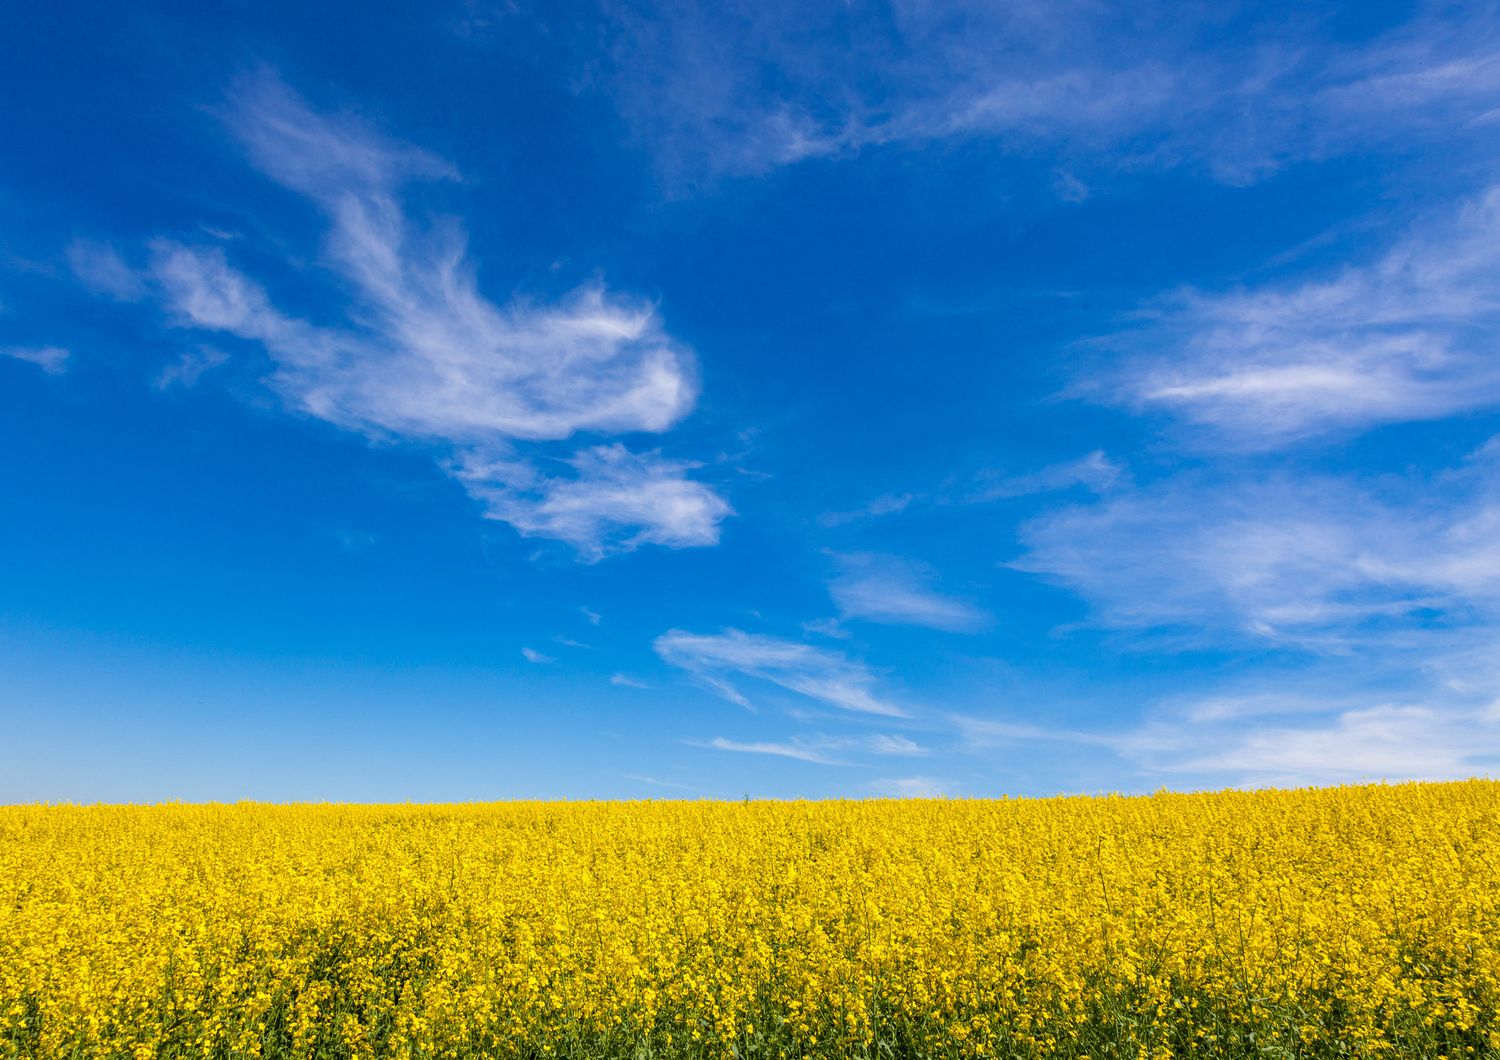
(780, 750)
(1407, 336)
(889, 590)
(626, 681)
(886, 504)
(826, 627)
(424, 355)
(818, 673)
(777, 84)
(189, 368)
(1094, 471)
(917, 787)
(672, 785)
(989, 732)
(1383, 742)
(99, 267)
(885, 744)
(824, 749)
(1386, 590)
(1244, 706)
(615, 501)
(1420, 711)
(1309, 561)
(793, 82)
(1438, 77)
(440, 360)
(1272, 738)
(531, 655)
(51, 359)
(328, 159)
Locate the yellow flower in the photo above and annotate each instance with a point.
(1361, 919)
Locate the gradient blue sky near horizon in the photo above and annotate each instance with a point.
(480, 401)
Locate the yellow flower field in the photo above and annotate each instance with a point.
(1352, 921)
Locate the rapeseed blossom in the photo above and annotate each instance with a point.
(1357, 921)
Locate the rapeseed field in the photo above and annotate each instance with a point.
(1356, 921)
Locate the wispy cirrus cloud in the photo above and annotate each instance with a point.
(792, 83)
(424, 355)
(886, 504)
(821, 674)
(1380, 594)
(1427, 708)
(990, 732)
(615, 499)
(672, 785)
(822, 750)
(99, 267)
(887, 744)
(800, 752)
(1275, 738)
(1093, 471)
(789, 83)
(1309, 561)
(886, 589)
(51, 359)
(913, 787)
(826, 627)
(1385, 741)
(1406, 336)
(189, 368)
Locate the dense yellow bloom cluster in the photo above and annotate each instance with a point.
(1352, 921)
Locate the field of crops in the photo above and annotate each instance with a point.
(1349, 921)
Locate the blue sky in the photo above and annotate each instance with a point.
(469, 401)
